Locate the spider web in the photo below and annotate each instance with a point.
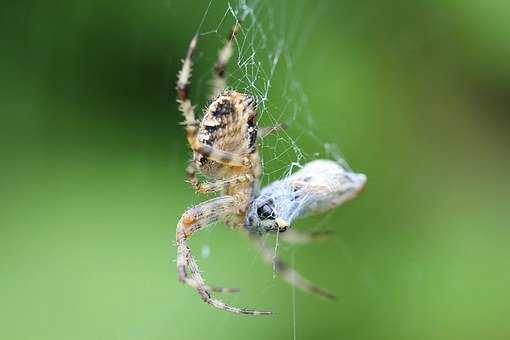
(266, 49)
(271, 39)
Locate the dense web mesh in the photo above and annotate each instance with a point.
(271, 38)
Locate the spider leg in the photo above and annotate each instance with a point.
(216, 186)
(293, 236)
(192, 221)
(288, 273)
(196, 281)
(217, 155)
(219, 79)
(183, 80)
(206, 296)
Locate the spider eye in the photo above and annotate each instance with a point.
(265, 212)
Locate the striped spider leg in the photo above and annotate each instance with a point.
(192, 221)
(219, 81)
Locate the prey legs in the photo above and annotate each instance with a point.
(288, 273)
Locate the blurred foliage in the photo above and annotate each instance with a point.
(416, 94)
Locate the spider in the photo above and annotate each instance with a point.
(224, 145)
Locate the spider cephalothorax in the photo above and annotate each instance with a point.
(224, 145)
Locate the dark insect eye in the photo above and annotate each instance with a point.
(265, 212)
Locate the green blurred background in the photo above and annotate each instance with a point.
(415, 93)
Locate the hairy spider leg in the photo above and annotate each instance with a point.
(215, 186)
(219, 82)
(183, 80)
(288, 273)
(192, 221)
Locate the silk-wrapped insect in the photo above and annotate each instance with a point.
(319, 186)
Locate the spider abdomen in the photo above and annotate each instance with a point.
(229, 125)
